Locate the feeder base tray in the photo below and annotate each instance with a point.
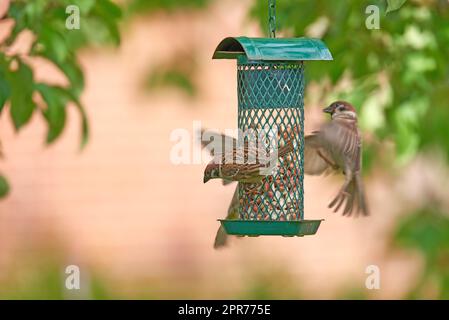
(254, 228)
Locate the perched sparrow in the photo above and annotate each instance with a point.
(232, 165)
(221, 236)
(338, 146)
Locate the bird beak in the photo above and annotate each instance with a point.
(328, 109)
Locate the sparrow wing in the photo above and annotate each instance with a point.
(316, 159)
(214, 141)
(229, 171)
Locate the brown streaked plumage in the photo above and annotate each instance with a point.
(221, 238)
(240, 171)
(233, 165)
(338, 146)
(224, 141)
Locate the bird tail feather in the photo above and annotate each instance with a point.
(352, 193)
(360, 192)
(221, 238)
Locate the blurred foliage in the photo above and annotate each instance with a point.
(427, 231)
(353, 293)
(145, 6)
(399, 73)
(53, 41)
(170, 74)
(45, 280)
(178, 72)
(56, 43)
(171, 78)
(4, 186)
(40, 274)
(393, 5)
(261, 285)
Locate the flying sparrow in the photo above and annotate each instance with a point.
(338, 146)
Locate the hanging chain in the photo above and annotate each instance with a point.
(272, 18)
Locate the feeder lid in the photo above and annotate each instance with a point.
(287, 49)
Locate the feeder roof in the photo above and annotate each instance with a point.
(269, 49)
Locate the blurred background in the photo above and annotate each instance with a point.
(85, 171)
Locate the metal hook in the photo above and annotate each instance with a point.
(272, 18)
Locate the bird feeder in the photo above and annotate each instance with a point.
(270, 91)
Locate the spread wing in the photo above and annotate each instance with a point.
(217, 143)
(327, 149)
(314, 156)
(229, 171)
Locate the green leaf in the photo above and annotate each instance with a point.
(55, 113)
(22, 105)
(54, 44)
(4, 187)
(5, 90)
(139, 6)
(73, 72)
(109, 8)
(84, 125)
(394, 5)
(84, 120)
(113, 32)
(85, 5)
(109, 13)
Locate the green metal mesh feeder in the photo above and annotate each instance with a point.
(270, 89)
